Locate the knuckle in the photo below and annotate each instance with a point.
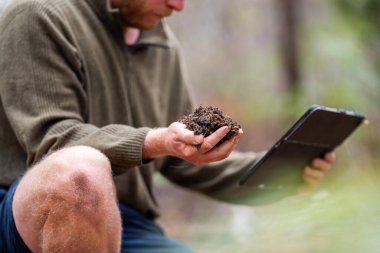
(206, 146)
(188, 153)
(172, 128)
(176, 147)
(188, 137)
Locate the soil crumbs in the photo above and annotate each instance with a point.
(206, 120)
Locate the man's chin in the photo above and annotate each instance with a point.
(144, 26)
(149, 27)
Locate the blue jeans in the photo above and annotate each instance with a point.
(139, 234)
(10, 240)
(142, 235)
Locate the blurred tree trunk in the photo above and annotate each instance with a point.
(288, 39)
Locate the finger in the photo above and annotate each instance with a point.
(189, 138)
(330, 156)
(222, 151)
(210, 141)
(236, 138)
(311, 182)
(320, 164)
(312, 173)
(185, 135)
(227, 147)
(188, 152)
(216, 154)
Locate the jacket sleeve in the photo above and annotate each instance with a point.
(42, 91)
(219, 180)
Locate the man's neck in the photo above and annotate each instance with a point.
(131, 35)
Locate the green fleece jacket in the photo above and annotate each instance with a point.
(67, 78)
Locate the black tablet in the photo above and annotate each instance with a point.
(319, 130)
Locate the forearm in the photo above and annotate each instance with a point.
(218, 180)
(154, 146)
(122, 144)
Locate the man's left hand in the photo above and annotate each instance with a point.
(316, 170)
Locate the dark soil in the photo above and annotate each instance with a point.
(206, 120)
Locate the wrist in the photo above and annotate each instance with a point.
(154, 144)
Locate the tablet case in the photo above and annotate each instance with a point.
(319, 130)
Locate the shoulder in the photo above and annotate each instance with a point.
(29, 11)
(16, 7)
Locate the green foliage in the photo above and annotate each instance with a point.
(363, 9)
(364, 17)
(336, 69)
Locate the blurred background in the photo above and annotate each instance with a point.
(263, 62)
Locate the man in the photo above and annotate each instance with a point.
(88, 88)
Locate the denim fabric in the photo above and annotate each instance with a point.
(10, 240)
(143, 235)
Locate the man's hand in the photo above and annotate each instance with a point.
(316, 170)
(178, 141)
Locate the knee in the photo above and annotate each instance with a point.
(71, 183)
(80, 177)
(81, 194)
(79, 158)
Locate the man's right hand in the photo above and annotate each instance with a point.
(178, 141)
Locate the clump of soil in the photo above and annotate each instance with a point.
(206, 120)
